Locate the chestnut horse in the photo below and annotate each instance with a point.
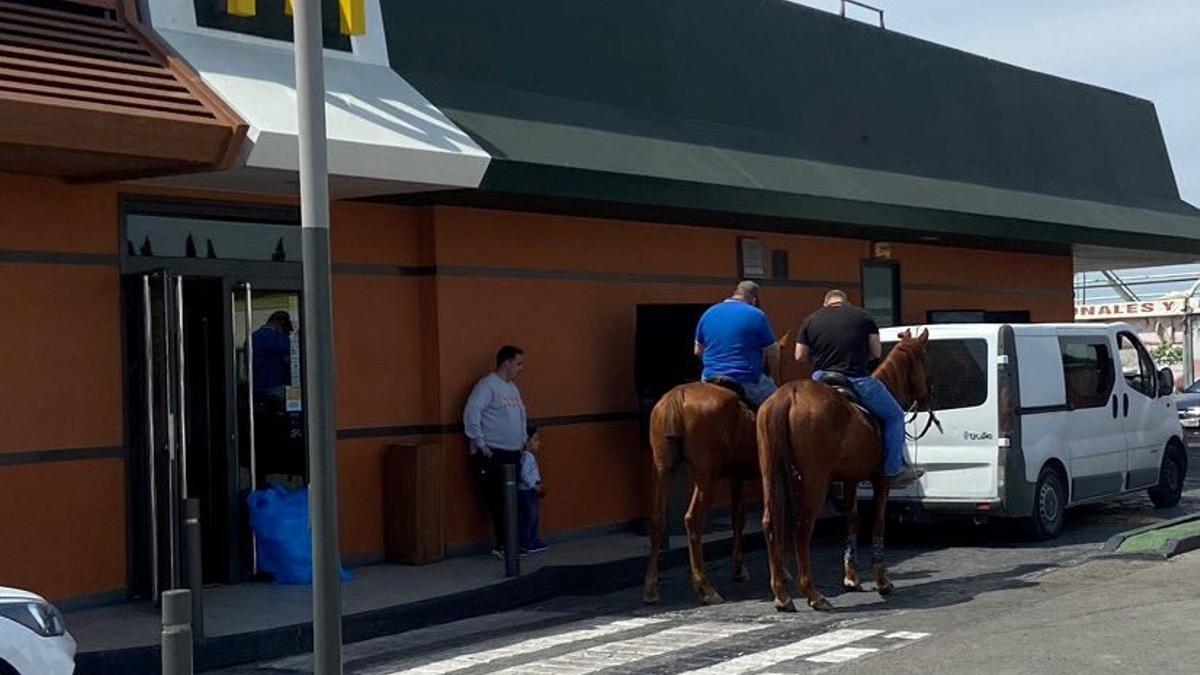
(713, 429)
(809, 435)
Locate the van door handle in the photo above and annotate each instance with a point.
(1114, 406)
(1125, 398)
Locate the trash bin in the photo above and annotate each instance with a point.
(415, 503)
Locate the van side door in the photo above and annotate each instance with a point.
(1143, 411)
(1096, 445)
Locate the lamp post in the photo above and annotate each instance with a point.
(318, 336)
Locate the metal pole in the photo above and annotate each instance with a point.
(195, 563)
(177, 632)
(1189, 350)
(512, 552)
(318, 336)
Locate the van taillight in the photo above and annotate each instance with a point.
(1007, 386)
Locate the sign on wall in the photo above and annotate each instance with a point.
(1110, 311)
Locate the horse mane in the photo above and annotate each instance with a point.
(894, 370)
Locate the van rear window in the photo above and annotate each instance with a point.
(957, 372)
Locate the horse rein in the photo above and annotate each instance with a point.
(933, 421)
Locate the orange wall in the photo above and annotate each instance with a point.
(408, 347)
(63, 521)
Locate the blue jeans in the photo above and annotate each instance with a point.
(757, 392)
(528, 516)
(883, 406)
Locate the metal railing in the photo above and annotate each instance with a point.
(864, 6)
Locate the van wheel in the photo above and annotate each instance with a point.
(1170, 479)
(1049, 505)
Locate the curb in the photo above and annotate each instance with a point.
(283, 641)
(1172, 548)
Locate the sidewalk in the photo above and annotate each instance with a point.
(253, 621)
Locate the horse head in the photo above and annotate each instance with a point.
(904, 371)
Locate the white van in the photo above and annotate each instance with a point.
(1036, 419)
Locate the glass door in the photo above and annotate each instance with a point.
(268, 384)
(158, 438)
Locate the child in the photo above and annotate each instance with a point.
(529, 492)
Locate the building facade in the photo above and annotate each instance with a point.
(579, 179)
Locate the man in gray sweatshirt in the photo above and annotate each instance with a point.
(494, 418)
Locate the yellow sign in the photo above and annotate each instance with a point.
(352, 14)
(881, 251)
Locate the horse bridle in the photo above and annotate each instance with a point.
(933, 420)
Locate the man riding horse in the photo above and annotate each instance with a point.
(733, 338)
(840, 341)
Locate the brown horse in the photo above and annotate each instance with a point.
(809, 435)
(710, 427)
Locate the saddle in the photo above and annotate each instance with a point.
(734, 386)
(842, 385)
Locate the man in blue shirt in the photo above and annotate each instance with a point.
(273, 355)
(733, 337)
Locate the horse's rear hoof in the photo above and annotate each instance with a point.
(713, 598)
(788, 606)
(886, 589)
(650, 597)
(852, 586)
(821, 605)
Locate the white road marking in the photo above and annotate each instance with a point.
(525, 647)
(841, 655)
(904, 635)
(770, 657)
(614, 654)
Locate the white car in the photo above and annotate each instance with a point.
(33, 636)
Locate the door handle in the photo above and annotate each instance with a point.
(1114, 406)
(1125, 399)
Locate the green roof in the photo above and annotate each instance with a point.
(771, 109)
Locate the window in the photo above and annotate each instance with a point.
(1136, 366)
(1088, 372)
(957, 371)
(270, 21)
(173, 237)
(881, 292)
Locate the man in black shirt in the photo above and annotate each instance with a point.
(841, 338)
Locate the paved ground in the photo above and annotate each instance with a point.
(969, 599)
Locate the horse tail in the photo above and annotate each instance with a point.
(775, 446)
(667, 429)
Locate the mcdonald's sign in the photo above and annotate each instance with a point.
(352, 14)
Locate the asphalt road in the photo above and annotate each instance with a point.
(969, 598)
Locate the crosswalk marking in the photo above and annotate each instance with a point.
(795, 650)
(614, 654)
(904, 635)
(841, 655)
(526, 647)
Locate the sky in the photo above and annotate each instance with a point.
(1147, 48)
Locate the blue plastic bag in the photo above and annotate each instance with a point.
(283, 540)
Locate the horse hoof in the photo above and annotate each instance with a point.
(788, 606)
(713, 598)
(741, 575)
(852, 586)
(650, 597)
(821, 605)
(886, 589)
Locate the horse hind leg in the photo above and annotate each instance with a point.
(694, 522)
(850, 580)
(883, 583)
(811, 503)
(664, 463)
(738, 501)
